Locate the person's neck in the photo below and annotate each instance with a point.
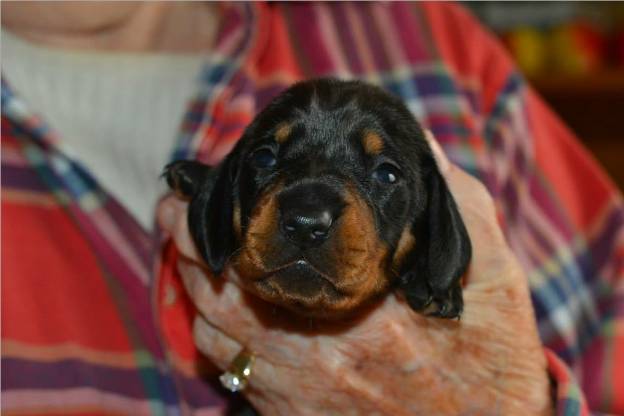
(181, 27)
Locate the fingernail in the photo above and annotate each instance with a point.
(438, 153)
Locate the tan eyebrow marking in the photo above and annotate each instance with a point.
(282, 132)
(373, 144)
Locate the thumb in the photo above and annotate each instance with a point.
(172, 217)
(441, 160)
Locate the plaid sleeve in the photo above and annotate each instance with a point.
(564, 219)
(568, 397)
(562, 216)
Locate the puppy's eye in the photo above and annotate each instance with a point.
(386, 173)
(263, 158)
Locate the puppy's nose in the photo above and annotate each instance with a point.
(307, 213)
(306, 228)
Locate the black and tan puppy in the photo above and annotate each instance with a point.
(331, 198)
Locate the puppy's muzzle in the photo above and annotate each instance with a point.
(307, 213)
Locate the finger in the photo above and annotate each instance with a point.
(219, 348)
(222, 303)
(167, 211)
(489, 246)
(172, 217)
(462, 185)
(214, 344)
(442, 161)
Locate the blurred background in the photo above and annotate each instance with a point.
(573, 55)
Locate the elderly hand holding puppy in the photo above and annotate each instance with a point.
(387, 359)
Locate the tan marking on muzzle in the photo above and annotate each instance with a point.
(359, 258)
(361, 255)
(260, 232)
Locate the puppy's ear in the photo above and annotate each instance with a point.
(210, 212)
(432, 282)
(185, 176)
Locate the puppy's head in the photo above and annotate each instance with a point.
(330, 198)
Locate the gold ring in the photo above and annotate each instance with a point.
(236, 377)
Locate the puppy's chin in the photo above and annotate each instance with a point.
(300, 288)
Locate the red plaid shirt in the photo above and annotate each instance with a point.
(95, 322)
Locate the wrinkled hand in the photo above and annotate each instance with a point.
(393, 360)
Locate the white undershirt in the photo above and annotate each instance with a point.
(116, 113)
